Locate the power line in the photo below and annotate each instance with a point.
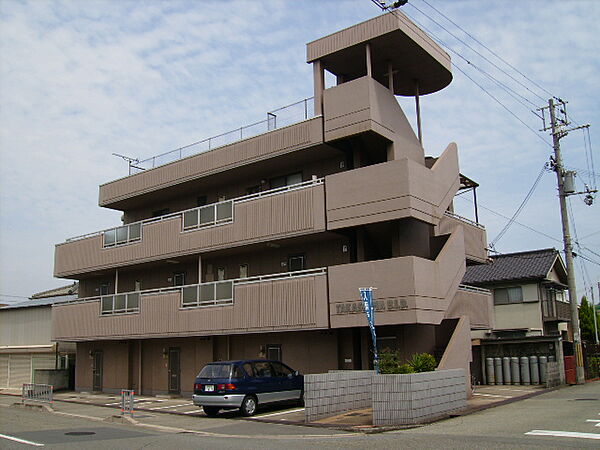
(488, 49)
(520, 208)
(441, 42)
(477, 52)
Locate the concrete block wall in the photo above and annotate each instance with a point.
(327, 394)
(417, 397)
(553, 375)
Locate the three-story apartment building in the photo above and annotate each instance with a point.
(257, 246)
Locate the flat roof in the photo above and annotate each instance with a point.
(394, 39)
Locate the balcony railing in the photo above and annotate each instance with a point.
(219, 213)
(464, 219)
(214, 293)
(277, 118)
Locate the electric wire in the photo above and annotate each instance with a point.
(477, 52)
(520, 208)
(488, 49)
(441, 42)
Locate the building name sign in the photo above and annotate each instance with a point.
(392, 304)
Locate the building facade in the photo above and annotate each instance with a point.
(532, 314)
(257, 247)
(26, 345)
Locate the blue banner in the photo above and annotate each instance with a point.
(366, 295)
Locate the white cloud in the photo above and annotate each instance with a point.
(80, 80)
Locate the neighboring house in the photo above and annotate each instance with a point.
(257, 247)
(531, 306)
(25, 338)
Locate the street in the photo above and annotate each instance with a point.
(565, 418)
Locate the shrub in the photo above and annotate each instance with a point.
(391, 362)
(422, 362)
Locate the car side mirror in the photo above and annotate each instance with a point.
(296, 373)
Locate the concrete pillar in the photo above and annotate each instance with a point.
(418, 111)
(199, 269)
(319, 86)
(116, 281)
(368, 58)
(390, 78)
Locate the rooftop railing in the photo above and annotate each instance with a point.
(464, 219)
(277, 118)
(200, 217)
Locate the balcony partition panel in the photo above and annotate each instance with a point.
(287, 213)
(282, 302)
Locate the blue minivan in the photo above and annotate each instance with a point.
(245, 384)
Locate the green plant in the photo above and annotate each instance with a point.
(391, 362)
(422, 362)
(405, 368)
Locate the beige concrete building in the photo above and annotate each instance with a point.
(532, 315)
(26, 344)
(255, 244)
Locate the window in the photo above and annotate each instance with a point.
(122, 235)
(220, 273)
(296, 262)
(274, 352)
(262, 369)
(280, 370)
(248, 369)
(243, 270)
(104, 289)
(286, 180)
(508, 295)
(120, 303)
(179, 279)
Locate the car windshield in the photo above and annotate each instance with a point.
(216, 371)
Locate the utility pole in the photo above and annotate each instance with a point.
(595, 312)
(558, 129)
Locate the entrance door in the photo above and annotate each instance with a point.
(174, 371)
(97, 370)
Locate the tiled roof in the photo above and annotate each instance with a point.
(529, 265)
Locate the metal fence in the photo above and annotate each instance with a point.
(37, 393)
(127, 401)
(281, 117)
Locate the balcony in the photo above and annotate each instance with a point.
(286, 301)
(283, 212)
(392, 190)
(475, 235)
(175, 168)
(410, 289)
(475, 303)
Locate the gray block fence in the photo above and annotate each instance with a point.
(327, 394)
(396, 399)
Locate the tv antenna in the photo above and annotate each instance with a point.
(130, 161)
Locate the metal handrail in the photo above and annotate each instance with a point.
(464, 219)
(241, 199)
(236, 133)
(235, 281)
(464, 287)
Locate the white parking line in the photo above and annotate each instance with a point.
(572, 434)
(279, 413)
(20, 441)
(493, 395)
(596, 421)
(171, 406)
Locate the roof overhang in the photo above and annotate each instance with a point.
(394, 40)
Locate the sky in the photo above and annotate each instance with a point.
(80, 80)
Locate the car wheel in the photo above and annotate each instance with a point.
(210, 411)
(249, 405)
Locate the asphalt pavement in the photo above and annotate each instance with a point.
(564, 418)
